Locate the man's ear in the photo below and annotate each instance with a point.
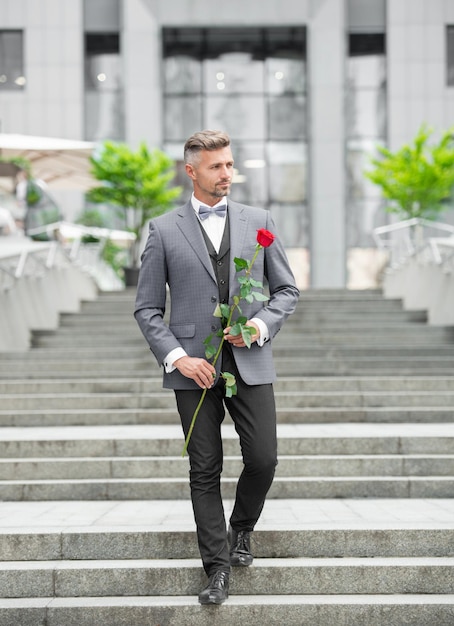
(190, 171)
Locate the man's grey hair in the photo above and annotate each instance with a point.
(204, 140)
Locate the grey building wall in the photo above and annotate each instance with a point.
(53, 102)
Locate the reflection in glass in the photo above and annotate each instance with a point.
(104, 89)
(233, 72)
(450, 55)
(182, 117)
(359, 154)
(250, 163)
(182, 74)
(285, 75)
(366, 113)
(104, 116)
(366, 127)
(11, 60)
(287, 117)
(103, 72)
(250, 82)
(366, 72)
(287, 180)
(292, 223)
(242, 117)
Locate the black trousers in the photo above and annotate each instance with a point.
(253, 412)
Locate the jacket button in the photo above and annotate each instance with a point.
(222, 282)
(220, 262)
(214, 328)
(213, 298)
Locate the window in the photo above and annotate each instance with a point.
(365, 127)
(12, 60)
(250, 82)
(104, 117)
(450, 55)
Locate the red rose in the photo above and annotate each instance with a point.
(264, 237)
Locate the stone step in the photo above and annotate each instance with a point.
(185, 577)
(166, 440)
(306, 325)
(164, 529)
(328, 364)
(175, 488)
(284, 400)
(319, 415)
(105, 510)
(288, 366)
(380, 465)
(316, 328)
(134, 346)
(308, 316)
(361, 354)
(296, 383)
(291, 610)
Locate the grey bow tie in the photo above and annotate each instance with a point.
(206, 211)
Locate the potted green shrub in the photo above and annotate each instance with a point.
(138, 185)
(417, 179)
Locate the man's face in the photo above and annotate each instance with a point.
(211, 175)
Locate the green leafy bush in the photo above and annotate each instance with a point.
(418, 179)
(137, 183)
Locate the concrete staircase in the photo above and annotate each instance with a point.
(96, 525)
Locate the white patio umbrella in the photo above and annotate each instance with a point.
(60, 163)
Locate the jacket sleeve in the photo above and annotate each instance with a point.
(283, 291)
(150, 305)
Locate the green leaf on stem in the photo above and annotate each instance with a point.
(210, 351)
(231, 391)
(229, 379)
(240, 264)
(225, 310)
(246, 333)
(256, 283)
(230, 384)
(245, 290)
(235, 330)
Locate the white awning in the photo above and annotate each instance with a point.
(60, 163)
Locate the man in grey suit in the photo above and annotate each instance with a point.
(191, 251)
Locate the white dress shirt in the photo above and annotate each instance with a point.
(214, 226)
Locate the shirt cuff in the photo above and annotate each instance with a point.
(264, 332)
(170, 359)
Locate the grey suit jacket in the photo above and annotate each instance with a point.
(176, 256)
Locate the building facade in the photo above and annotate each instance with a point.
(305, 88)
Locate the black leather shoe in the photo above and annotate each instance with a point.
(217, 590)
(240, 548)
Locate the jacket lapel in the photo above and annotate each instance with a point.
(189, 225)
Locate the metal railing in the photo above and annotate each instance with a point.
(417, 238)
(24, 257)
